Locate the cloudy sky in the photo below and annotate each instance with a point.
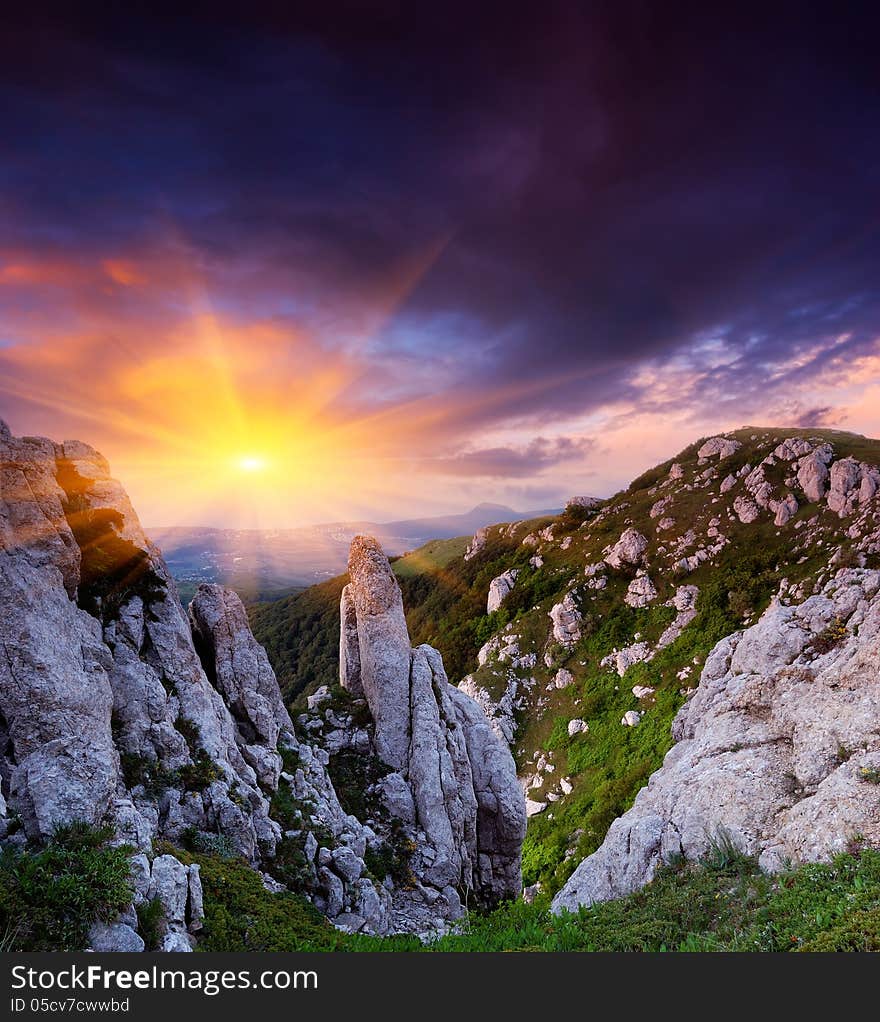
(295, 267)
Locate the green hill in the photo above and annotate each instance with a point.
(695, 537)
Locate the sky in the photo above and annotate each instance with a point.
(285, 266)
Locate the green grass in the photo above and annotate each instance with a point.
(49, 897)
(430, 557)
(241, 915)
(723, 904)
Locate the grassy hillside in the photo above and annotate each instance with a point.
(585, 780)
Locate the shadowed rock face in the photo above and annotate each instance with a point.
(461, 776)
(117, 706)
(775, 750)
(102, 687)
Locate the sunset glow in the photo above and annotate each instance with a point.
(391, 307)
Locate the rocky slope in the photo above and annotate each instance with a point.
(777, 751)
(117, 707)
(583, 636)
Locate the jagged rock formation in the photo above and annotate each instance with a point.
(778, 748)
(117, 707)
(462, 780)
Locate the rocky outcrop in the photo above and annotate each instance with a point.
(118, 707)
(102, 685)
(812, 472)
(777, 750)
(460, 776)
(477, 543)
(640, 592)
(383, 649)
(499, 588)
(628, 550)
(721, 446)
(566, 618)
(237, 666)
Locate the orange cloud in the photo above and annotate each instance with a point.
(124, 272)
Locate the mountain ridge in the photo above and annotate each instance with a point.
(629, 597)
(260, 563)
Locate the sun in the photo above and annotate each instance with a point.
(251, 463)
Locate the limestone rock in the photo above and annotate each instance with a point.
(477, 544)
(114, 937)
(746, 509)
(722, 446)
(384, 648)
(812, 472)
(577, 727)
(465, 797)
(757, 754)
(239, 669)
(785, 510)
(175, 941)
(349, 647)
(792, 448)
(169, 883)
(641, 592)
(499, 588)
(566, 618)
(844, 477)
(563, 678)
(628, 550)
(585, 502)
(631, 718)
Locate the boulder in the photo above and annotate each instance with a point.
(720, 445)
(785, 509)
(628, 550)
(499, 587)
(566, 618)
(640, 592)
(746, 509)
(844, 478)
(812, 472)
(114, 937)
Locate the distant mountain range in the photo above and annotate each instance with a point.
(264, 562)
